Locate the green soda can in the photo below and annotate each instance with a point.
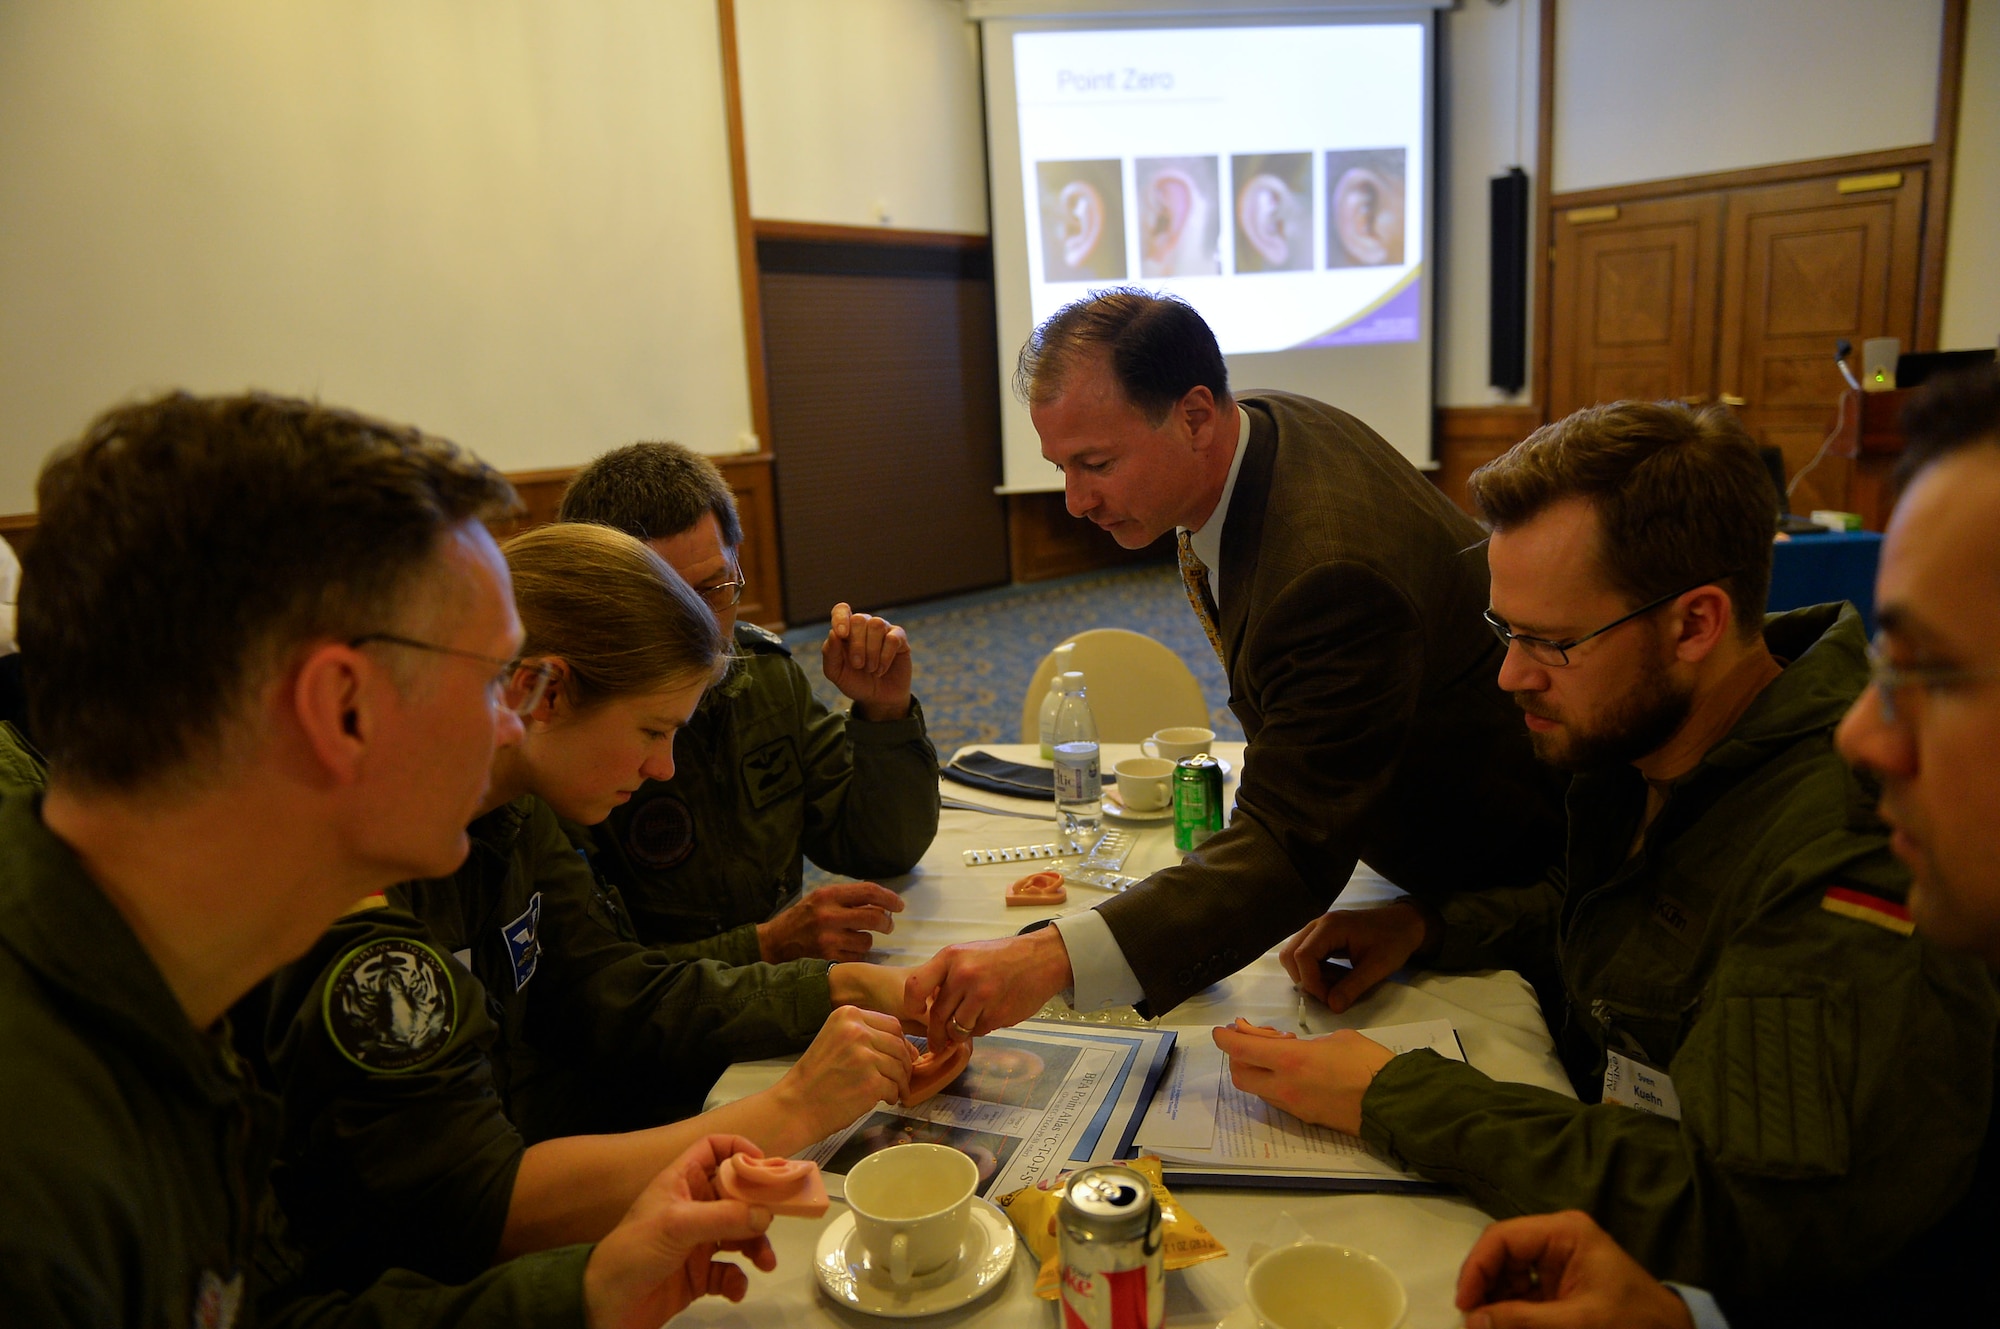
(1197, 800)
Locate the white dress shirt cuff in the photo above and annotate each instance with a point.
(1099, 975)
(1707, 1315)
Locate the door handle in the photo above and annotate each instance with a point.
(1731, 399)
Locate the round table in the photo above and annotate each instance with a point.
(1423, 1238)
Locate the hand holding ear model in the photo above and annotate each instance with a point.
(662, 1255)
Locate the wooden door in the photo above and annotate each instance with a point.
(1806, 264)
(1632, 302)
(885, 420)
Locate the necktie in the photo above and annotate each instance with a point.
(1194, 577)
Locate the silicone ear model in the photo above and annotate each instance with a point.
(1038, 888)
(934, 1070)
(1243, 1026)
(788, 1186)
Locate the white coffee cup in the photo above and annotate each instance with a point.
(1318, 1285)
(1145, 783)
(912, 1204)
(1173, 744)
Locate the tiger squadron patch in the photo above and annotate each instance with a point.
(390, 1005)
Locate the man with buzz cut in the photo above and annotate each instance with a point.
(1779, 1088)
(766, 775)
(269, 654)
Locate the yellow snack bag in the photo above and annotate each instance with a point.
(1033, 1210)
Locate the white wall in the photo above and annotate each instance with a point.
(1489, 82)
(863, 113)
(507, 221)
(1647, 90)
(1972, 258)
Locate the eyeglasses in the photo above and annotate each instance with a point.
(1555, 654)
(518, 684)
(1891, 682)
(723, 595)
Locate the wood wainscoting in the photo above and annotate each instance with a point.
(1044, 541)
(749, 475)
(1470, 436)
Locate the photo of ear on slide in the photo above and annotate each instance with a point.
(1364, 207)
(1180, 224)
(1083, 220)
(1273, 211)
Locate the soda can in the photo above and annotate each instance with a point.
(1113, 1271)
(1197, 800)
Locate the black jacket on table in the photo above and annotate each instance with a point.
(1368, 686)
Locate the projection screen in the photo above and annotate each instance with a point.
(1273, 170)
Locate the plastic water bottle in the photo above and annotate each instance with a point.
(1053, 701)
(1079, 784)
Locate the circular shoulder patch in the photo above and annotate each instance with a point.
(390, 1005)
(660, 833)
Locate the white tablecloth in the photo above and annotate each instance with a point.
(1422, 1238)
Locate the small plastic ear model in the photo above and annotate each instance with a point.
(788, 1186)
(1243, 1026)
(934, 1070)
(1043, 888)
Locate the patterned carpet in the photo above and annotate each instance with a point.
(972, 655)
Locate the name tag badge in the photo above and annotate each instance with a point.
(524, 943)
(1636, 1085)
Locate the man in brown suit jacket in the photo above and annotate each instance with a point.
(1347, 613)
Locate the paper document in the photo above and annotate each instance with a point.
(1251, 1139)
(1036, 1100)
(1183, 1112)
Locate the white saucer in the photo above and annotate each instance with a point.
(842, 1268)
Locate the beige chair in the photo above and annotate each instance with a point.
(1137, 686)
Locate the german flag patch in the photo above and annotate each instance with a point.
(1883, 913)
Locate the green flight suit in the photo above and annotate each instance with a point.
(21, 766)
(134, 1150)
(1834, 1074)
(764, 774)
(421, 1045)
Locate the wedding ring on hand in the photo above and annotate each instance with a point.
(959, 1029)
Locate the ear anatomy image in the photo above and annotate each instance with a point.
(1083, 220)
(1179, 220)
(1365, 195)
(1273, 212)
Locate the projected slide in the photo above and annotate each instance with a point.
(1272, 176)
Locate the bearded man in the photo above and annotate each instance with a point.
(1776, 1079)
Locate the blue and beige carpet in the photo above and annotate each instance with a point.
(972, 655)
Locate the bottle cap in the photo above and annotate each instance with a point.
(1072, 681)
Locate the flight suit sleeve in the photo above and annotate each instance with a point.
(40, 1290)
(608, 862)
(652, 1021)
(1506, 927)
(543, 1289)
(396, 1150)
(738, 946)
(871, 796)
(1834, 1090)
(1337, 668)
